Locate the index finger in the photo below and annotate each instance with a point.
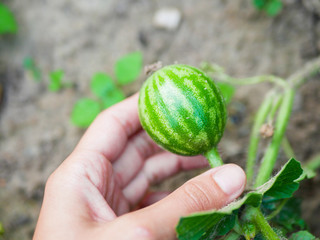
(111, 129)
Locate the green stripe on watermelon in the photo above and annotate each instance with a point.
(161, 122)
(182, 110)
(195, 86)
(179, 113)
(170, 123)
(216, 94)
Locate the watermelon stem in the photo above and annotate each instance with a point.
(272, 151)
(255, 135)
(218, 73)
(256, 216)
(213, 157)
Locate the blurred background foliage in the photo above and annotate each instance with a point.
(64, 61)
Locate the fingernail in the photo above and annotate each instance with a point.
(231, 180)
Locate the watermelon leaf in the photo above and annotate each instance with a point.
(84, 112)
(128, 68)
(302, 235)
(207, 224)
(8, 23)
(289, 217)
(102, 85)
(55, 80)
(259, 4)
(113, 97)
(273, 7)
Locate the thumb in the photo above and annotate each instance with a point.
(210, 190)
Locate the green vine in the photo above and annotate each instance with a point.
(271, 153)
(214, 158)
(248, 219)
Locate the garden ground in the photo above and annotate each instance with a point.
(82, 38)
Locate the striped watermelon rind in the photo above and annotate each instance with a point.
(182, 110)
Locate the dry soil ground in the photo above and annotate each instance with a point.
(83, 37)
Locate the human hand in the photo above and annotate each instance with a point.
(92, 192)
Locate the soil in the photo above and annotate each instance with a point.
(83, 37)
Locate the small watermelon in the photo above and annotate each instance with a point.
(182, 110)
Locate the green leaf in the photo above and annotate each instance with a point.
(112, 98)
(128, 68)
(84, 112)
(289, 217)
(206, 224)
(55, 80)
(287, 182)
(30, 65)
(259, 236)
(302, 235)
(273, 7)
(227, 91)
(203, 226)
(8, 23)
(259, 4)
(104, 88)
(200, 225)
(102, 85)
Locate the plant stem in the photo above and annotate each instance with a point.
(255, 135)
(261, 223)
(213, 157)
(275, 107)
(310, 69)
(278, 209)
(286, 146)
(237, 226)
(218, 73)
(232, 236)
(314, 163)
(280, 128)
(254, 80)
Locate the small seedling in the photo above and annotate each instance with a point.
(8, 22)
(102, 85)
(56, 80)
(128, 68)
(106, 91)
(30, 66)
(112, 98)
(84, 112)
(270, 7)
